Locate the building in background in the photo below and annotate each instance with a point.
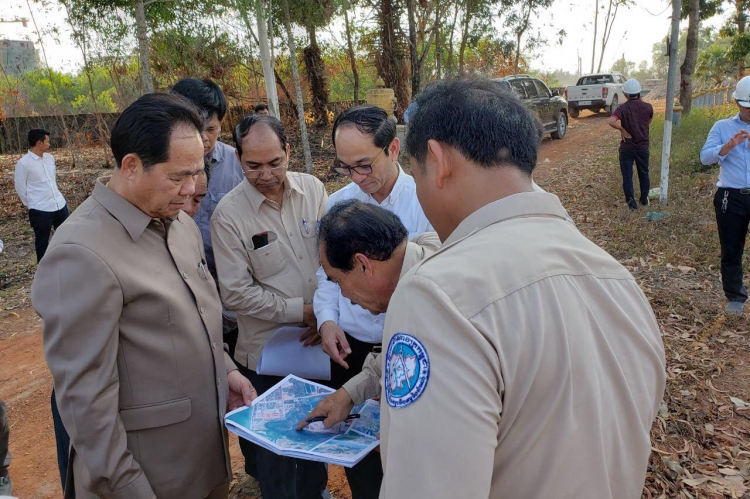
(18, 57)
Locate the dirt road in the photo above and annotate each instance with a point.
(25, 382)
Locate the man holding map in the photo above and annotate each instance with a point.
(264, 235)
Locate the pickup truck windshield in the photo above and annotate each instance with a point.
(595, 80)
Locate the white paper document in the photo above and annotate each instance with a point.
(271, 423)
(285, 354)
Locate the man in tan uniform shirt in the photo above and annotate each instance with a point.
(522, 360)
(132, 322)
(265, 240)
(365, 250)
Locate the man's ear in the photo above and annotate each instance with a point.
(130, 165)
(362, 264)
(394, 148)
(442, 160)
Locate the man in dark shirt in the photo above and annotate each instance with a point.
(632, 119)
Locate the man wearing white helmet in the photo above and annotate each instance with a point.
(632, 119)
(727, 145)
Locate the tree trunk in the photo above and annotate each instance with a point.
(741, 21)
(691, 57)
(413, 57)
(596, 25)
(438, 47)
(147, 80)
(464, 36)
(297, 87)
(390, 60)
(608, 23)
(350, 51)
(317, 77)
(450, 41)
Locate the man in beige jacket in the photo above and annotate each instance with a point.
(132, 322)
(522, 360)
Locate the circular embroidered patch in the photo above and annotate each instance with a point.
(407, 370)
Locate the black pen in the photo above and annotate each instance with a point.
(318, 419)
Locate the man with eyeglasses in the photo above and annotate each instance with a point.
(367, 152)
(264, 234)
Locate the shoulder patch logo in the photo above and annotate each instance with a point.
(407, 370)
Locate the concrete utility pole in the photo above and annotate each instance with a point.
(667, 147)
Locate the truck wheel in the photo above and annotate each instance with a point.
(612, 106)
(574, 112)
(562, 126)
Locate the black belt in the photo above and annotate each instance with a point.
(738, 191)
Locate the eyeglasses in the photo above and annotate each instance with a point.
(253, 174)
(342, 169)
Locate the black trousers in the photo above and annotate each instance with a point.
(280, 477)
(4, 438)
(732, 217)
(640, 157)
(42, 222)
(62, 441)
(364, 478)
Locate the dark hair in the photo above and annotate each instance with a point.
(203, 93)
(352, 227)
(145, 127)
(244, 126)
(632, 96)
(261, 107)
(485, 123)
(37, 134)
(207, 169)
(369, 120)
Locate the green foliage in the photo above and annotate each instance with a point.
(688, 138)
(713, 65)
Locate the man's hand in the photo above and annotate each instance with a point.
(334, 343)
(738, 139)
(310, 337)
(308, 316)
(336, 407)
(241, 391)
(625, 134)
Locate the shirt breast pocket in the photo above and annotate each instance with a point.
(268, 261)
(309, 228)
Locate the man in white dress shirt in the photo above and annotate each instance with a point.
(367, 151)
(37, 187)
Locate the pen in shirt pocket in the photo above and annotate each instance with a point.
(202, 268)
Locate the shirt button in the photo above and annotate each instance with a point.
(377, 321)
(185, 275)
(300, 257)
(218, 381)
(213, 344)
(309, 280)
(202, 310)
(290, 234)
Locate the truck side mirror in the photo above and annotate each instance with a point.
(555, 92)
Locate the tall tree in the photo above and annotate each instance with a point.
(390, 60)
(609, 22)
(596, 27)
(695, 11)
(350, 50)
(297, 86)
(735, 29)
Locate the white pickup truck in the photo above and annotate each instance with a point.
(595, 92)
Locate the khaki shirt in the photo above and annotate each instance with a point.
(530, 365)
(132, 335)
(268, 286)
(366, 384)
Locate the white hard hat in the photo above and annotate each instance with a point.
(632, 87)
(742, 92)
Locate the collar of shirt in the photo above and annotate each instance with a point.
(34, 156)
(217, 154)
(256, 198)
(417, 249)
(129, 215)
(398, 187)
(525, 204)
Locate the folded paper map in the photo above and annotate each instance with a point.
(273, 417)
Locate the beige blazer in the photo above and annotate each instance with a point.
(132, 335)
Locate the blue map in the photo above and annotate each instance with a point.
(271, 422)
